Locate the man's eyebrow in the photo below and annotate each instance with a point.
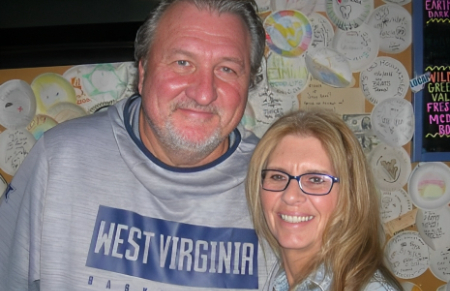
(179, 51)
(235, 60)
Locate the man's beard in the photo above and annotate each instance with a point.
(178, 143)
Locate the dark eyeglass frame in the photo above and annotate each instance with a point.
(333, 180)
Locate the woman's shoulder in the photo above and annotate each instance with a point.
(379, 283)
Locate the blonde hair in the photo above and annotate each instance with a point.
(351, 248)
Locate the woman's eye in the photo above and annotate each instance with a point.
(277, 177)
(316, 180)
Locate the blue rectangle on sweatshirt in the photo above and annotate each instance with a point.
(174, 253)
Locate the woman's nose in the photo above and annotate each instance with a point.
(293, 194)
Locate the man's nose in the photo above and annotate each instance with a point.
(203, 88)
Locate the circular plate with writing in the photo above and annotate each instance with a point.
(288, 32)
(14, 147)
(268, 107)
(393, 121)
(40, 124)
(394, 204)
(440, 264)
(287, 76)
(434, 227)
(393, 25)
(384, 78)
(391, 167)
(323, 31)
(408, 255)
(359, 46)
(348, 14)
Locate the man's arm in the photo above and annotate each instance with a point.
(20, 223)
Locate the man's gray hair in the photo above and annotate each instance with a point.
(245, 9)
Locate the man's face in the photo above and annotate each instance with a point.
(195, 83)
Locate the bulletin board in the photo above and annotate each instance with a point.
(431, 60)
(353, 103)
(26, 75)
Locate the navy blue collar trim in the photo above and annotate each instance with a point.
(128, 121)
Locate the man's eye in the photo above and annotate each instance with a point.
(228, 70)
(183, 63)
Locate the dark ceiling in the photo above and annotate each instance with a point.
(70, 32)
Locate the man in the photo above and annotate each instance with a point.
(148, 195)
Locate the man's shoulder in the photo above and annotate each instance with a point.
(82, 126)
(249, 139)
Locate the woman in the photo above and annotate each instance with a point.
(312, 198)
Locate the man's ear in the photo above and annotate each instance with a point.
(141, 70)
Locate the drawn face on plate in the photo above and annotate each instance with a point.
(51, 94)
(17, 104)
(51, 89)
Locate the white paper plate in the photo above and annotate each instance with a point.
(268, 107)
(14, 147)
(288, 32)
(102, 85)
(347, 14)
(65, 111)
(429, 185)
(259, 88)
(393, 121)
(330, 67)
(263, 6)
(393, 26)
(391, 167)
(51, 89)
(408, 255)
(434, 227)
(17, 104)
(397, 2)
(248, 120)
(409, 286)
(40, 124)
(394, 204)
(323, 31)
(359, 46)
(384, 78)
(440, 264)
(304, 6)
(287, 76)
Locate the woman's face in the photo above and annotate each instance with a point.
(297, 220)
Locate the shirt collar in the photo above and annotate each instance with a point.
(317, 281)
